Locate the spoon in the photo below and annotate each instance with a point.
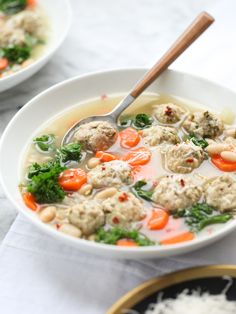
(195, 29)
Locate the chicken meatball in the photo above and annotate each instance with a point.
(168, 113)
(123, 207)
(221, 193)
(205, 124)
(113, 173)
(88, 216)
(96, 135)
(176, 192)
(157, 134)
(184, 157)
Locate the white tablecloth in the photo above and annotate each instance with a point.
(39, 275)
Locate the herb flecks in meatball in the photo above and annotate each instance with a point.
(123, 208)
(168, 113)
(221, 193)
(96, 135)
(113, 173)
(184, 157)
(88, 216)
(176, 192)
(205, 124)
(157, 134)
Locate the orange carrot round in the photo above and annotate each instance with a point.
(158, 220)
(29, 201)
(182, 237)
(72, 179)
(31, 3)
(222, 164)
(3, 63)
(139, 156)
(126, 242)
(105, 156)
(129, 138)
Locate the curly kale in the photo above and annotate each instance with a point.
(69, 152)
(10, 7)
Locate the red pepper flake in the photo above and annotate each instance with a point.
(168, 111)
(58, 226)
(190, 160)
(182, 183)
(123, 197)
(154, 183)
(103, 168)
(104, 97)
(115, 220)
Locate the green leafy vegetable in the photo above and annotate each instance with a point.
(69, 152)
(16, 53)
(12, 6)
(147, 195)
(44, 182)
(198, 141)
(142, 121)
(45, 142)
(111, 236)
(32, 41)
(201, 215)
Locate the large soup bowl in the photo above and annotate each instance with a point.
(62, 97)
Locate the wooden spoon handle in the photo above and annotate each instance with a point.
(195, 29)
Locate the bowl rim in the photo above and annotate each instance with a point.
(83, 243)
(156, 284)
(48, 52)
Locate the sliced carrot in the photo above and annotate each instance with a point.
(182, 237)
(158, 220)
(139, 156)
(222, 164)
(3, 63)
(129, 138)
(29, 201)
(31, 3)
(126, 242)
(105, 157)
(72, 179)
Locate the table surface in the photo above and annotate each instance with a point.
(104, 35)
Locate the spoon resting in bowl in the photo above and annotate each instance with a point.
(195, 29)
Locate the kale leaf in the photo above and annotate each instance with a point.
(147, 195)
(142, 120)
(69, 152)
(201, 215)
(111, 236)
(44, 182)
(45, 142)
(16, 53)
(12, 6)
(198, 141)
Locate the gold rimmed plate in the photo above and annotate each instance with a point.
(211, 279)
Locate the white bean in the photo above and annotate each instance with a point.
(93, 162)
(228, 156)
(109, 192)
(86, 189)
(48, 213)
(217, 148)
(230, 132)
(70, 230)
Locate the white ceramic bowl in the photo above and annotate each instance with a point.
(60, 17)
(66, 94)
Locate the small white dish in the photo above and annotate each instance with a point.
(71, 92)
(59, 17)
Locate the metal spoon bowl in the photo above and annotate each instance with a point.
(195, 29)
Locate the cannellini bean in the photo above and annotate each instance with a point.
(217, 148)
(93, 162)
(86, 189)
(70, 230)
(230, 132)
(48, 213)
(228, 156)
(106, 193)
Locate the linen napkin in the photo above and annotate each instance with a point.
(39, 275)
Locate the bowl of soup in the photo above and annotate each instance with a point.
(31, 31)
(161, 181)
